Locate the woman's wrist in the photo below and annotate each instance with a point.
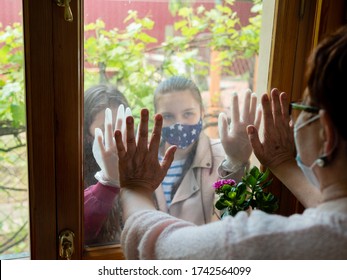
(133, 200)
(294, 179)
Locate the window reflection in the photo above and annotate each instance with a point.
(135, 45)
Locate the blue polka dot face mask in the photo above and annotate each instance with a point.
(181, 135)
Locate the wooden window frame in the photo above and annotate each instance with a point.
(299, 26)
(54, 86)
(54, 90)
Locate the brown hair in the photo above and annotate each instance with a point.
(327, 77)
(96, 99)
(177, 84)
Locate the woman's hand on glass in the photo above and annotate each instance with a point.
(278, 143)
(139, 167)
(234, 136)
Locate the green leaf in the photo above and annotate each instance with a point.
(147, 23)
(241, 188)
(266, 184)
(185, 12)
(189, 31)
(219, 205)
(250, 180)
(254, 172)
(264, 176)
(232, 195)
(226, 188)
(146, 38)
(180, 24)
(18, 113)
(241, 199)
(131, 15)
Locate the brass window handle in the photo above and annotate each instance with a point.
(67, 10)
(66, 244)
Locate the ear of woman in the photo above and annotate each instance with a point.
(328, 137)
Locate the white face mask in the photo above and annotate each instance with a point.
(307, 170)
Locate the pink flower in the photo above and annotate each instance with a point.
(223, 182)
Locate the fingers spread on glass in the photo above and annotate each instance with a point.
(139, 165)
(142, 131)
(222, 125)
(130, 135)
(234, 136)
(98, 147)
(108, 129)
(156, 133)
(245, 117)
(120, 118)
(235, 112)
(278, 141)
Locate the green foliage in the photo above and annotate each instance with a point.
(12, 100)
(176, 5)
(249, 193)
(125, 57)
(122, 53)
(249, 36)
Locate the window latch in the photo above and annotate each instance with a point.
(66, 244)
(67, 10)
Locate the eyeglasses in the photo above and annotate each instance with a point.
(303, 107)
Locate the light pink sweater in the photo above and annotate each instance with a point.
(318, 233)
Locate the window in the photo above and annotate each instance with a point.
(132, 46)
(14, 211)
(54, 87)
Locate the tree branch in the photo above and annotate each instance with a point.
(6, 128)
(4, 247)
(12, 189)
(12, 148)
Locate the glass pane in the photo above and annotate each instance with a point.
(131, 46)
(14, 215)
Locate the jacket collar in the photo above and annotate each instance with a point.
(202, 159)
(203, 155)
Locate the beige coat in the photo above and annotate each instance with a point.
(195, 197)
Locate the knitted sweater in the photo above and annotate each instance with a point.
(318, 233)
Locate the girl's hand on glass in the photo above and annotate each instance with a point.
(105, 150)
(234, 136)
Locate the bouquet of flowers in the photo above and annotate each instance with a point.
(250, 193)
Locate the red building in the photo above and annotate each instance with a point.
(113, 12)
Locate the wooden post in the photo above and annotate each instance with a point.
(214, 106)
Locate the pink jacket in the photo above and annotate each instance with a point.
(98, 202)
